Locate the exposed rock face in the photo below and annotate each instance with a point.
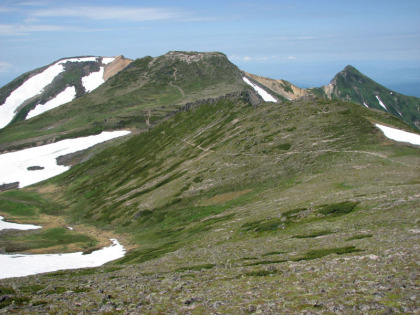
(9, 186)
(35, 168)
(281, 87)
(116, 66)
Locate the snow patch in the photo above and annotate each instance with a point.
(62, 98)
(32, 87)
(16, 226)
(107, 60)
(82, 59)
(366, 105)
(14, 165)
(380, 102)
(19, 265)
(266, 96)
(93, 80)
(399, 135)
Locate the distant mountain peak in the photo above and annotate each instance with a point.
(353, 86)
(351, 69)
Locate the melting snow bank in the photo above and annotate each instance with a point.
(266, 97)
(399, 135)
(36, 84)
(16, 226)
(19, 265)
(28, 89)
(93, 80)
(62, 98)
(14, 165)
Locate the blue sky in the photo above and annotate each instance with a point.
(304, 41)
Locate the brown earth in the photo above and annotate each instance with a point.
(277, 86)
(116, 66)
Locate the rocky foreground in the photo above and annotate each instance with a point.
(383, 282)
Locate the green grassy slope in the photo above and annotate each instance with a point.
(229, 208)
(353, 86)
(146, 91)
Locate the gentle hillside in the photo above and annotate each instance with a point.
(226, 207)
(353, 86)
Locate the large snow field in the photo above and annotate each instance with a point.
(16, 226)
(266, 96)
(62, 98)
(14, 165)
(399, 135)
(20, 265)
(93, 80)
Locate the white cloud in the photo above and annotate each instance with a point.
(112, 13)
(240, 58)
(31, 20)
(254, 58)
(291, 58)
(5, 67)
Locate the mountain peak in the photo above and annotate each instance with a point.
(350, 68)
(353, 86)
(349, 73)
(193, 56)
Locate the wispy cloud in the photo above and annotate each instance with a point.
(292, 38)
(22, 29)
(33, 3)
(256, 58)
(122, 13)
(5, 9)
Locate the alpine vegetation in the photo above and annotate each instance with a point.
(228, 192)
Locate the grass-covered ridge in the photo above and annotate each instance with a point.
(186, 176)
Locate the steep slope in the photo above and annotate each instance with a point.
(353, 86)
(146, 91)
(281, 87)
(273, 200)
(43, 89)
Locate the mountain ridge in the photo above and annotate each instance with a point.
(226, 203)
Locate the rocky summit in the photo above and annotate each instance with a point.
(230, 192)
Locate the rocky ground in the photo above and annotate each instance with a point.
(383, 281)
